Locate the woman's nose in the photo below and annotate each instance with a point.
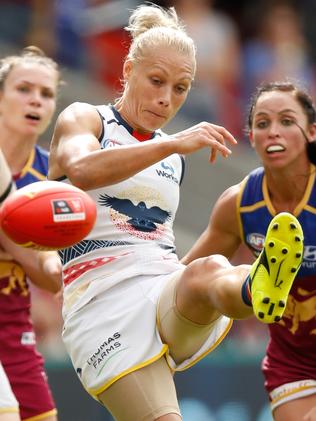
(165, 97)
(274, 130)
(36, 98)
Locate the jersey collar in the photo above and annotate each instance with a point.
(141, 137)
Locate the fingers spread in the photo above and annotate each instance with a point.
(223, 133)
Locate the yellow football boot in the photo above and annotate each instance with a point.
(274, 271)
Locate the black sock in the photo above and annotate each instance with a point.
(246, 291)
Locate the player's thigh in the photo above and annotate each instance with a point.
(297, 409)
(146, 394)
(183, 336)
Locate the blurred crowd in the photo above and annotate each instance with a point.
(239, 45)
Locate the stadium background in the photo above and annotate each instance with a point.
(255, 40)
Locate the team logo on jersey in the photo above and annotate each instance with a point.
(255, 241)
(109, 143)
(137, 216)
(310, 253)
(167, 167)
(300, 310)
(309, 258)
(13, 279)
(68, 210)
(167, 171)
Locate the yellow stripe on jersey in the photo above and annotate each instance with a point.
(40, 176)
(238, 208)
(29, 163)
(28, 168)
(308, 191)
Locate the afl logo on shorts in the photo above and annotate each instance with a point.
(68, 210)
(256, 241)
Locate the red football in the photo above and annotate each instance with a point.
(48, 215)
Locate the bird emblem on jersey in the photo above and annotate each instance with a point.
(140, 217)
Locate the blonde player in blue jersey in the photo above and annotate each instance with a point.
(9, 406)
(38, 264)
(282, 129)
(133, 314)
(28, 88)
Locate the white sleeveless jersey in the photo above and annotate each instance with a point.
(113, 279)
(133, 234)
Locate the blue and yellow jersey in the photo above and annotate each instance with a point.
(14, 290)
(256, 211)
(35, 168)
(297, 329)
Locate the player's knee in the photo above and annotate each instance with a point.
(202, 272)
(210, 265)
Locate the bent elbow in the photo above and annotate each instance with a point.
(79, 177)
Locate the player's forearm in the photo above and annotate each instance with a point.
(7, 185)
(44, 273)
(42, 268)
(199, 249)
(48, 273)
(114, 165)
(213, 241)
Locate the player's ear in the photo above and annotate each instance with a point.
(312, 130)
(251, 141)
(127, 69)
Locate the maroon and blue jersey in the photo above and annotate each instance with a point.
(35, 169)
(14, 291)
(20, 359)
(291, 351)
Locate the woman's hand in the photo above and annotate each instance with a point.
(204, 135)
(50, 265)
(43, 268)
